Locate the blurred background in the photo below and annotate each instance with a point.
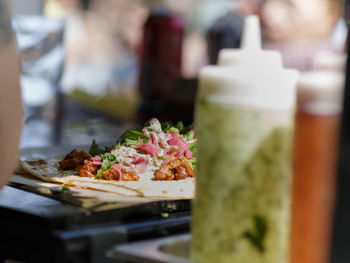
(92, 68)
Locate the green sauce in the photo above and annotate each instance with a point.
(241, 208)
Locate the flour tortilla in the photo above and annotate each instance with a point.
(145, 187)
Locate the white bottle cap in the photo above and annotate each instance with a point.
(250, 49)
(320, 92)
(265, 89)
(328, 60)
(258, 78)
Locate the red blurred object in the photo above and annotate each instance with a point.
(160, 61)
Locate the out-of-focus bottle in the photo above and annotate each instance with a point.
(225, 33)
(317, 121)
(160, 64)
(330, 61)
(243, 118)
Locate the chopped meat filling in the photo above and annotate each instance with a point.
(112, 174)
(74, 159)
(88, 169)
(174, 169)
(130, 176)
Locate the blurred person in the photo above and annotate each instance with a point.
(10, 99)
(249, 7)
(301, 29)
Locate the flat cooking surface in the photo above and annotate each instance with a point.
(38, 229)
(73, 211)
(58, 215)
(40, 224)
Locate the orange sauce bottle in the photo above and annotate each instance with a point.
(317, 123)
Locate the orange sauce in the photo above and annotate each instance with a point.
(314, 167)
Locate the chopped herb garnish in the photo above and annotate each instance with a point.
(193, 160)
(95, 149)
(257, 235)
(147, 123)
(132, 137)
(179, 125)
(99, 174)
(128, 141)
(175, 130)
(166, 126)
(117, 146)
(174, 148)
(106, 165)
(169, 126)
(109, 156)
(193, 148)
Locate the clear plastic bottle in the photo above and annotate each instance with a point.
(317, 123)
(244, 123)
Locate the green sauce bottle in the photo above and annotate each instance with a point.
(243, 119)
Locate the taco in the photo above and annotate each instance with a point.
(156, 160)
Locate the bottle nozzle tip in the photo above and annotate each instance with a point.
(251, 36)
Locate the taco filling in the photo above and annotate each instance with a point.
(165, 150)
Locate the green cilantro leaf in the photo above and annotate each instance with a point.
(118, 145)
(171, 127)
(175, 130)
(108, 156)
(99, 174)
(95, 149)
(132, 137)
(193, 148)
(147, 123)
(166, 126)
(106, 165)
(179, 125)
(132, 141)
